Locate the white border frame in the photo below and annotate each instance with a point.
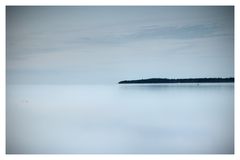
(4, 156)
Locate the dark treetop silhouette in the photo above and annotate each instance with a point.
(186, 80)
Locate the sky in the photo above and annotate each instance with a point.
(104, 45)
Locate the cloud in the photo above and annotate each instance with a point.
(150, 32)
(175, 32)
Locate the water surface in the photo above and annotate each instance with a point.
(186, 118)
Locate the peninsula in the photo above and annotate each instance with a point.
(186, 80)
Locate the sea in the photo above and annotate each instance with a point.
(120, 119)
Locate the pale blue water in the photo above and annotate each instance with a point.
(175, 118)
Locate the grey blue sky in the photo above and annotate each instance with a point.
(81, 45)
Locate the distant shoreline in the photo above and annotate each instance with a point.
(185, 80)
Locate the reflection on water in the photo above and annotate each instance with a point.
(188, 118)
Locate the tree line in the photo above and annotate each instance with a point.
(185, 80)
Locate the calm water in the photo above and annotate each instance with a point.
(120, 118)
